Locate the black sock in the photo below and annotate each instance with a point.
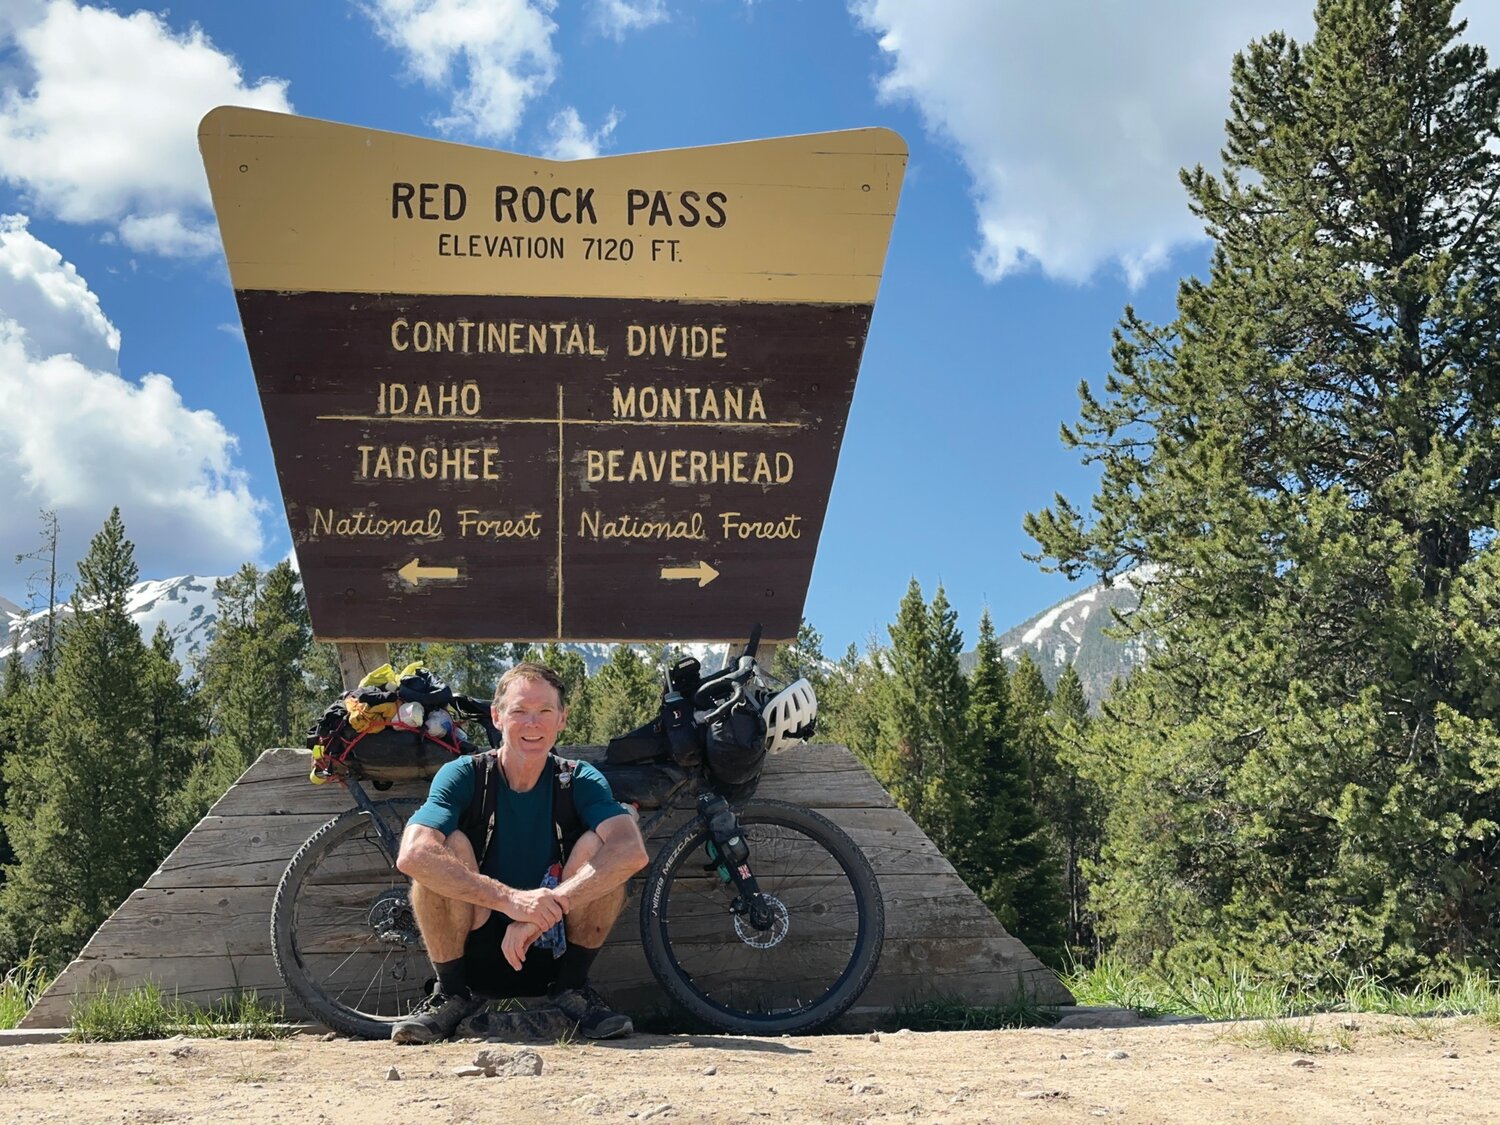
(573, 966)
(452, 980)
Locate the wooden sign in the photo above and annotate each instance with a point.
(521, 399)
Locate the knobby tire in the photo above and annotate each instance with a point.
(326, 895)
(817, 959)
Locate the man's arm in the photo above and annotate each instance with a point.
(622, 853)
(426, 859)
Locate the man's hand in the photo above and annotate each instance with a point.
(541, 907)
(518, 938)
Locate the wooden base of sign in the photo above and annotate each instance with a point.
(200, 927)
(359, 658)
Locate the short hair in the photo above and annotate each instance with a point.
(536, 673)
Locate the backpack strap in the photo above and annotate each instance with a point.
(478, 820)
(566, 824)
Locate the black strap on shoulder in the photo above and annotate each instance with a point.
(566, 826)
(478, 820)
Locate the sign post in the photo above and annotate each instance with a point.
(518, 399)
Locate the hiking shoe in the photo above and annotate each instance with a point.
(587, 1009)
(435, 1018)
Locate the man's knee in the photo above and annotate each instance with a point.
(458, 846)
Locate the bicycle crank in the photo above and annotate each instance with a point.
(771, 911)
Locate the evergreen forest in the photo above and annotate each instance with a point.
(1302, 472)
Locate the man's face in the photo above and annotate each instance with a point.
(530, 716)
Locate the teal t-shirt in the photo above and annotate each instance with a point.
(521, 850)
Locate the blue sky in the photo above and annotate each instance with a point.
(1040, 198)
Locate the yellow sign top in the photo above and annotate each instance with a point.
(794, 219)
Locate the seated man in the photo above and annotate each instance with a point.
(481, 915)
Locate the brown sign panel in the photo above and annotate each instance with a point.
(513, 399)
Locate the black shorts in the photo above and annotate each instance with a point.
(490, 974)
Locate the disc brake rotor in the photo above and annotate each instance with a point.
(781, 922)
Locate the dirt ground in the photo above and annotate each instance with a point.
(1383, 1069)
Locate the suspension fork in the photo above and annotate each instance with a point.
(730, 852)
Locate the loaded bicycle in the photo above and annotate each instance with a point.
(757, 916)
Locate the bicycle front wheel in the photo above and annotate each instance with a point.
(808, 967)
(343, 935)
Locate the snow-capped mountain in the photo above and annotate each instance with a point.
(1072, 632)
(187, 606)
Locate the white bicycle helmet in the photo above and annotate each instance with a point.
(790, 716)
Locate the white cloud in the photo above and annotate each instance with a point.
(99, 121)
(46, 294)
(1073, 117)
(492, 56)
(569, 139)
(618, 18)
(78, 439)
(170, 235)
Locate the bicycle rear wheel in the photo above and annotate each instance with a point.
(817, 956)
(343, 935)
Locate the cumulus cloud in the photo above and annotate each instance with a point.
(99, 116)
(45, 293)
(1073, 117)
(493, 57)
(570, 139)
(78, 439)
(170, 235)
(618, 18)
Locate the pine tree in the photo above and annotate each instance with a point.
(44, 586)
(624, 693)
(851, 702)
(256, 685)
(18, 717)
(1029, 703)
(1305, 776)
(905, 751)
(79, 814)
(1007, 856)
(173, 726)
(1072, 806)
(570, 665)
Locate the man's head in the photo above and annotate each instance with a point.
(529, 707)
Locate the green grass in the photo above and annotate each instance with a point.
(1282, 1035)
(145, 1012)
(952, 1013)
(1242, 994)
(19, 989)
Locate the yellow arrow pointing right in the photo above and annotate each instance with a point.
(699, 570)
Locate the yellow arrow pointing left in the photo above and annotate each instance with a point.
(414, 572)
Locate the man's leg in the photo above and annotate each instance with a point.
(588, 927)
(445, 924)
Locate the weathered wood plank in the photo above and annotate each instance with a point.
(235, 921)
(239, 851)
(277, 783)
(201, 925)
(192, 922)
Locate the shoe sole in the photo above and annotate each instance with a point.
(617, 1028)
(413, 1037)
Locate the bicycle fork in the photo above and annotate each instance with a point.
(730, 856)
